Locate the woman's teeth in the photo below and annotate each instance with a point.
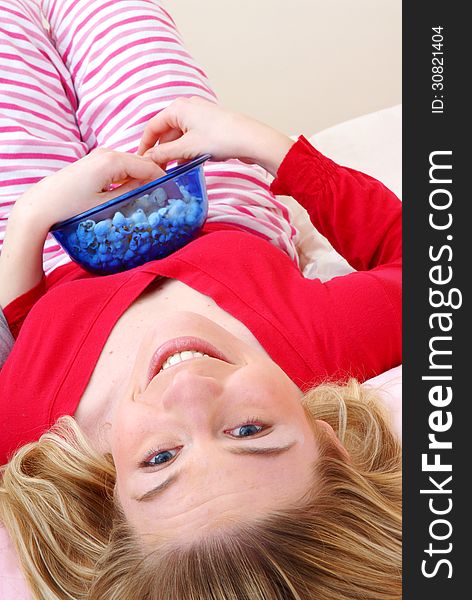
(180, 357)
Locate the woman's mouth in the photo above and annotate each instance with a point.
(179, 350)
(179, 357)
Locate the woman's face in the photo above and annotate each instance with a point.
(200, 441)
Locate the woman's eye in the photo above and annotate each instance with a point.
(246, 430)
(159, 458)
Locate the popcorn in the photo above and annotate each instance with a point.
(148, 228)
(158, 197)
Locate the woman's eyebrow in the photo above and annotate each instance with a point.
(264, 450)
(273, 451)
(158, 489)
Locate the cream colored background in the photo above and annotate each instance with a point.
(300, 65)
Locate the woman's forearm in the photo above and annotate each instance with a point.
(269, 148)
(50, 201)
(21, 266)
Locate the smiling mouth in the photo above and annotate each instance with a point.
(179, 350)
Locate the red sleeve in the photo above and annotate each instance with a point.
(17, 310)
(358, 214)
(359, 324)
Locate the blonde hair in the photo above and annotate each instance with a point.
(342, 542)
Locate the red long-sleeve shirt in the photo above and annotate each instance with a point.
(348, 326)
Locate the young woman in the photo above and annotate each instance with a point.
(195, 467)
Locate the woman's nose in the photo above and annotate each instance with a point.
(192, 393)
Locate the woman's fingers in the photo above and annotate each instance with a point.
(141, 168)
(165, 153)
(166, 138)
(86, 183)
(184, 148)
(119, 166)
(181, 116)
(113, 168)
(164, 123)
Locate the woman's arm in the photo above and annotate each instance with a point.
(359, 215)
(353, 321)
(21, 265)
(80, 186)
(190, 127)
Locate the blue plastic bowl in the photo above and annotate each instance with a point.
(145, 224)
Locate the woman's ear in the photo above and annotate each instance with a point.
(332, 439)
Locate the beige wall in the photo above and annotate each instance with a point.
(301, 65)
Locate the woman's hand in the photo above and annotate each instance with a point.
(78, 187)
(83, 185)
(190, 127)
